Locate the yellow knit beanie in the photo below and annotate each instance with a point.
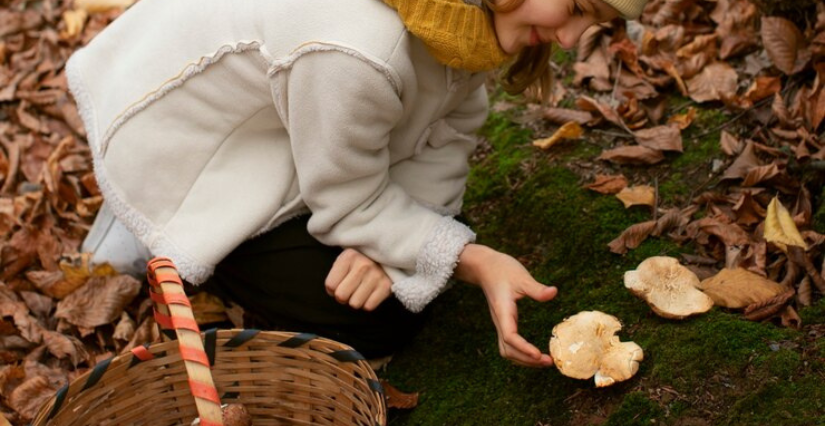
(460, 33)
(457, 34)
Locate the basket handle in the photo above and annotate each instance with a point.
(173, 311)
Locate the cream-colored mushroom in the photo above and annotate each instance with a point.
(668, 287)
(585, 345)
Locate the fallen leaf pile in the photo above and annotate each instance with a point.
(59, 315)
(768, 75)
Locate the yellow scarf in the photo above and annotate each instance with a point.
(457, 34)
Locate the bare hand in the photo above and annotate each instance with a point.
(504, 281)
(357, 281)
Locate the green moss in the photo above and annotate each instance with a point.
(525, 202)
(789, 403)
(700, 143)
(819, 216)
(636, 409)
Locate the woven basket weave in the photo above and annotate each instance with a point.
(281, 378)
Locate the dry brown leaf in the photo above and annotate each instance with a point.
(745, 161)
(37, 303)
(65, 346)
(32, 394)
(715, 82)
(780, 228)
(587, 103)
(804, 294)
(398, 399)
(683, 121)
(634, 154)
(768, 308)
(570, 130)
(748, 210)
(632, 237)
(565, 115)
(644, 195)
(783, 41)
(760, 174)
(763, 87)
(125, 328)
(208, 308)
(730, 144)
(100, 301)
(729, 234)
(789, 318)
(663, 138)
(738, 288)
(605, 184)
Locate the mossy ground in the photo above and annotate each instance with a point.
(713, 369)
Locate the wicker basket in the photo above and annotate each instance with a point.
(281, 378)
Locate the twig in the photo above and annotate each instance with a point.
(655, 198)
(732, 120)
(616, 82)
(614, 134)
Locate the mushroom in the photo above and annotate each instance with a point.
(668, 287)
(585, 345)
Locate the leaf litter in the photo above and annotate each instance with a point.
(768, 76)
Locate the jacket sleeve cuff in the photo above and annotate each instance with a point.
(434, 265)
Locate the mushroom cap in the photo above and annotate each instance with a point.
(620, 363)
(668, 287)
(585, 345)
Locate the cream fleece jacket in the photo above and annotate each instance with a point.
(212, 121)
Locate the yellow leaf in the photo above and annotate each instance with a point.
(780, 228)
(80, 268)
(637, 195)
(75, 21)
(570, 130)
(94, 6)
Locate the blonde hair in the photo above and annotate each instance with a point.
(530, 71)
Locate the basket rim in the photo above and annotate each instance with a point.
(237, 337)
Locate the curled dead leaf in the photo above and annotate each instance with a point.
(634, 154)
(398, 399)
(739, 288)
(32, 394)
(780, 228)
(715, 82)
(789, 318)
(632, 237)
(783, 41)
(100, 301)
(605, 184)
(683, 121)
(804, 294)
(565, 115)
(570, 130)
(641, 195)
(729, 143)
(768, 308)
(664, 138)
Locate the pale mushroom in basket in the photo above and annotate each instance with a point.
(668, 287)
(585, 345)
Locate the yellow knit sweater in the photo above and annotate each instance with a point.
(457, 34)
